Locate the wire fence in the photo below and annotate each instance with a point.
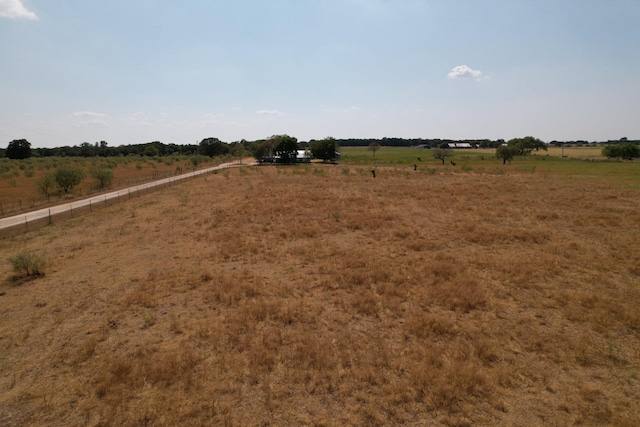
(30, 221)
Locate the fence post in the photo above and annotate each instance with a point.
(71, 210)
(49, 216)
(26, 223)
(89, 205)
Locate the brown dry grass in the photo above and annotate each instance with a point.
(311, 296)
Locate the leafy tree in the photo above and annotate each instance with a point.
(441, 153)
(87, 150)
(212, 147)
(627, 151)
(526, 145)
(68, 177)
(262, 149)
(18, 149)
(46, 184)
(324, 149)
(238, 151)
(103, 177)
(285, 147)
(373, 147)
(151, 150)
(506, 153)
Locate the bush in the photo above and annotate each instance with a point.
(27, 264)
(46, 184)
(626, 151)
(103, 177)
(68, 177)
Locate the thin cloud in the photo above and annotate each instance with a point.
(14, 9)
(464, 72)
(89, 119)
(269, 113)
(88, 114)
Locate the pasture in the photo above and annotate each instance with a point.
(19, 178)
(480, 294)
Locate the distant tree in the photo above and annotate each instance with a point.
(506, 153)
(442, 152)
(325, 149)
(285, 147)
(46, 185)
(18, 149)
(87, 150)
(526, 145)
(68, 177)
(151, 150)
(238, 151)
(212, 147)
(627, 151)
(103, 148)
(103, 177)
(373, 147)
(262, 149)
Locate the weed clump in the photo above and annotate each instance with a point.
(27, 264)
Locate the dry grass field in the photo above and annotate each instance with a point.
(19, 178)
(317, 295)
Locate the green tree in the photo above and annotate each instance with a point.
(238, 151)
(213, 147)
(506, 153)
(373, 147)
(151, 150)
(325, 149)
(627, 151)
(442, 152)
(285, 147)
(103, 177)
(46, 185)
(524, 146)
(68, 177)
(18, 149)
(262, 149)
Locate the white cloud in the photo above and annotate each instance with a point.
(15, 9)
(88, 114)
(269, 113)
(89, 118)
(464, 72)
(353, 108)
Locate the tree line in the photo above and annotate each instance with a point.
(281, 147)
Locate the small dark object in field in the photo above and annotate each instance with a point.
(419, 159)
(415, 167)
(373, 173)
(452, 162)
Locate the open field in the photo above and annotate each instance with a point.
(19, 178)
(479, 294)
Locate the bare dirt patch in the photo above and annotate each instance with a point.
(316, 295)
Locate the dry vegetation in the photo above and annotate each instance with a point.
(316, 295)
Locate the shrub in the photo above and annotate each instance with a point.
(68, 177)
(27, 264)
(103, 177)
(46, 184)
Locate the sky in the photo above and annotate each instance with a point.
(135, 71)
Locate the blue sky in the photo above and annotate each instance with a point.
(134, 71)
